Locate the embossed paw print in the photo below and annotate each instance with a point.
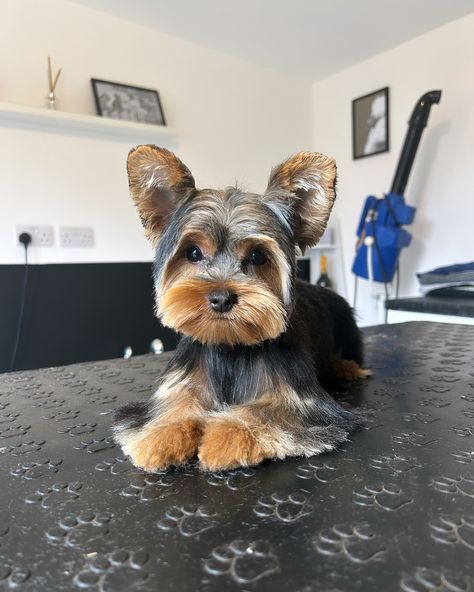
(463, 431)
(188, 520)
(233, 480)
(12, 576)
(8, 418)
(62, 415)
(55, 495)
(287, 508)
(13, 430)
(103, 399)
(79, 531)
(118, 570)
(434, 388)
(117, 466)
(22, 447)
(454, 530)
(37, 469)
(435, 402)
(96, 444)
(394, 463)
(464, 456)
(412, 439)
(458, 485)
(49, 403)
(388, 497)
(79, 429)
(146, 487)
(429, 580)
(321, 471)
(244, 562)
(425, 418)
(358, 543)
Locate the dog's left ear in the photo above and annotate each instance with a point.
(303, 189)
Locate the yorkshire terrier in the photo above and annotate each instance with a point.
(244, 383)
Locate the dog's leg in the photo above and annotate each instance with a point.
(348, 370)
(272, 427)
(165, 431)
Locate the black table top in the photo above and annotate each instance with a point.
(391, 510)
(446, 305)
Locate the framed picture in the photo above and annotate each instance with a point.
(132, 103)
(370, 124)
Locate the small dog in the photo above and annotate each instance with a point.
(244, 382)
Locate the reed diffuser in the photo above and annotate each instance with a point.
(51, 99)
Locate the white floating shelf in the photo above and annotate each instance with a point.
(42, 119)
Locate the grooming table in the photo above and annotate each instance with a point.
(393, 509)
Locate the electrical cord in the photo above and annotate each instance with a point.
(25, 240)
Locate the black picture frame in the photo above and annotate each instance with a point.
(111, 98)
(370, 124)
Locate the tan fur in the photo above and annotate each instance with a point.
(260, 316)
(307, 181)
(158, 181)
(165, 445)
(348, 370)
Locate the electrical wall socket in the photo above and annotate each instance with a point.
(41, 236)
(74, 236)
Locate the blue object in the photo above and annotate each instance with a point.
(382, 219)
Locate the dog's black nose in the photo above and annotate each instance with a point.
(222, 301)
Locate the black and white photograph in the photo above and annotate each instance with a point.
(130, 103)
(370, 124)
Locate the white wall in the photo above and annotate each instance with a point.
(442, 181)
(234, 120)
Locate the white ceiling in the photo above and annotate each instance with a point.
(309, 38)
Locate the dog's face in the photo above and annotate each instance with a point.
(225, 259)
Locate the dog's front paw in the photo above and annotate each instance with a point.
(228, 444)
(158, 447)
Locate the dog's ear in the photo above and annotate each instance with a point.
(302, 191)
(159, 182)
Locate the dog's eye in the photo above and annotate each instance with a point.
(194, 254)
(257, 257)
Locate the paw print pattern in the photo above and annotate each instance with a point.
(13, 431)
(80, 532)
(37, 469)
(321, 471)
(286, 508)
(464, 456)
(118, 570)
(388, 497)
(425, 418)
(233, 480)
(394, 464)
(22, 447)
(6, 418)
(469, 413)
(463, 431)
(96, 444)
(188, 520)
(49, 403)
(116, 466)
(56, 495)
(429, 580)
(412, 439)
(63, 415)
(357, 543)
(103, 400)
(453, 486)
(13, 577)
(434, 402)
(434, 388)
(146, 487)
(452, 531)
(79, 429)
(244, 562)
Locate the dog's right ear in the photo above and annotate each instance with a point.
(159, 182)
